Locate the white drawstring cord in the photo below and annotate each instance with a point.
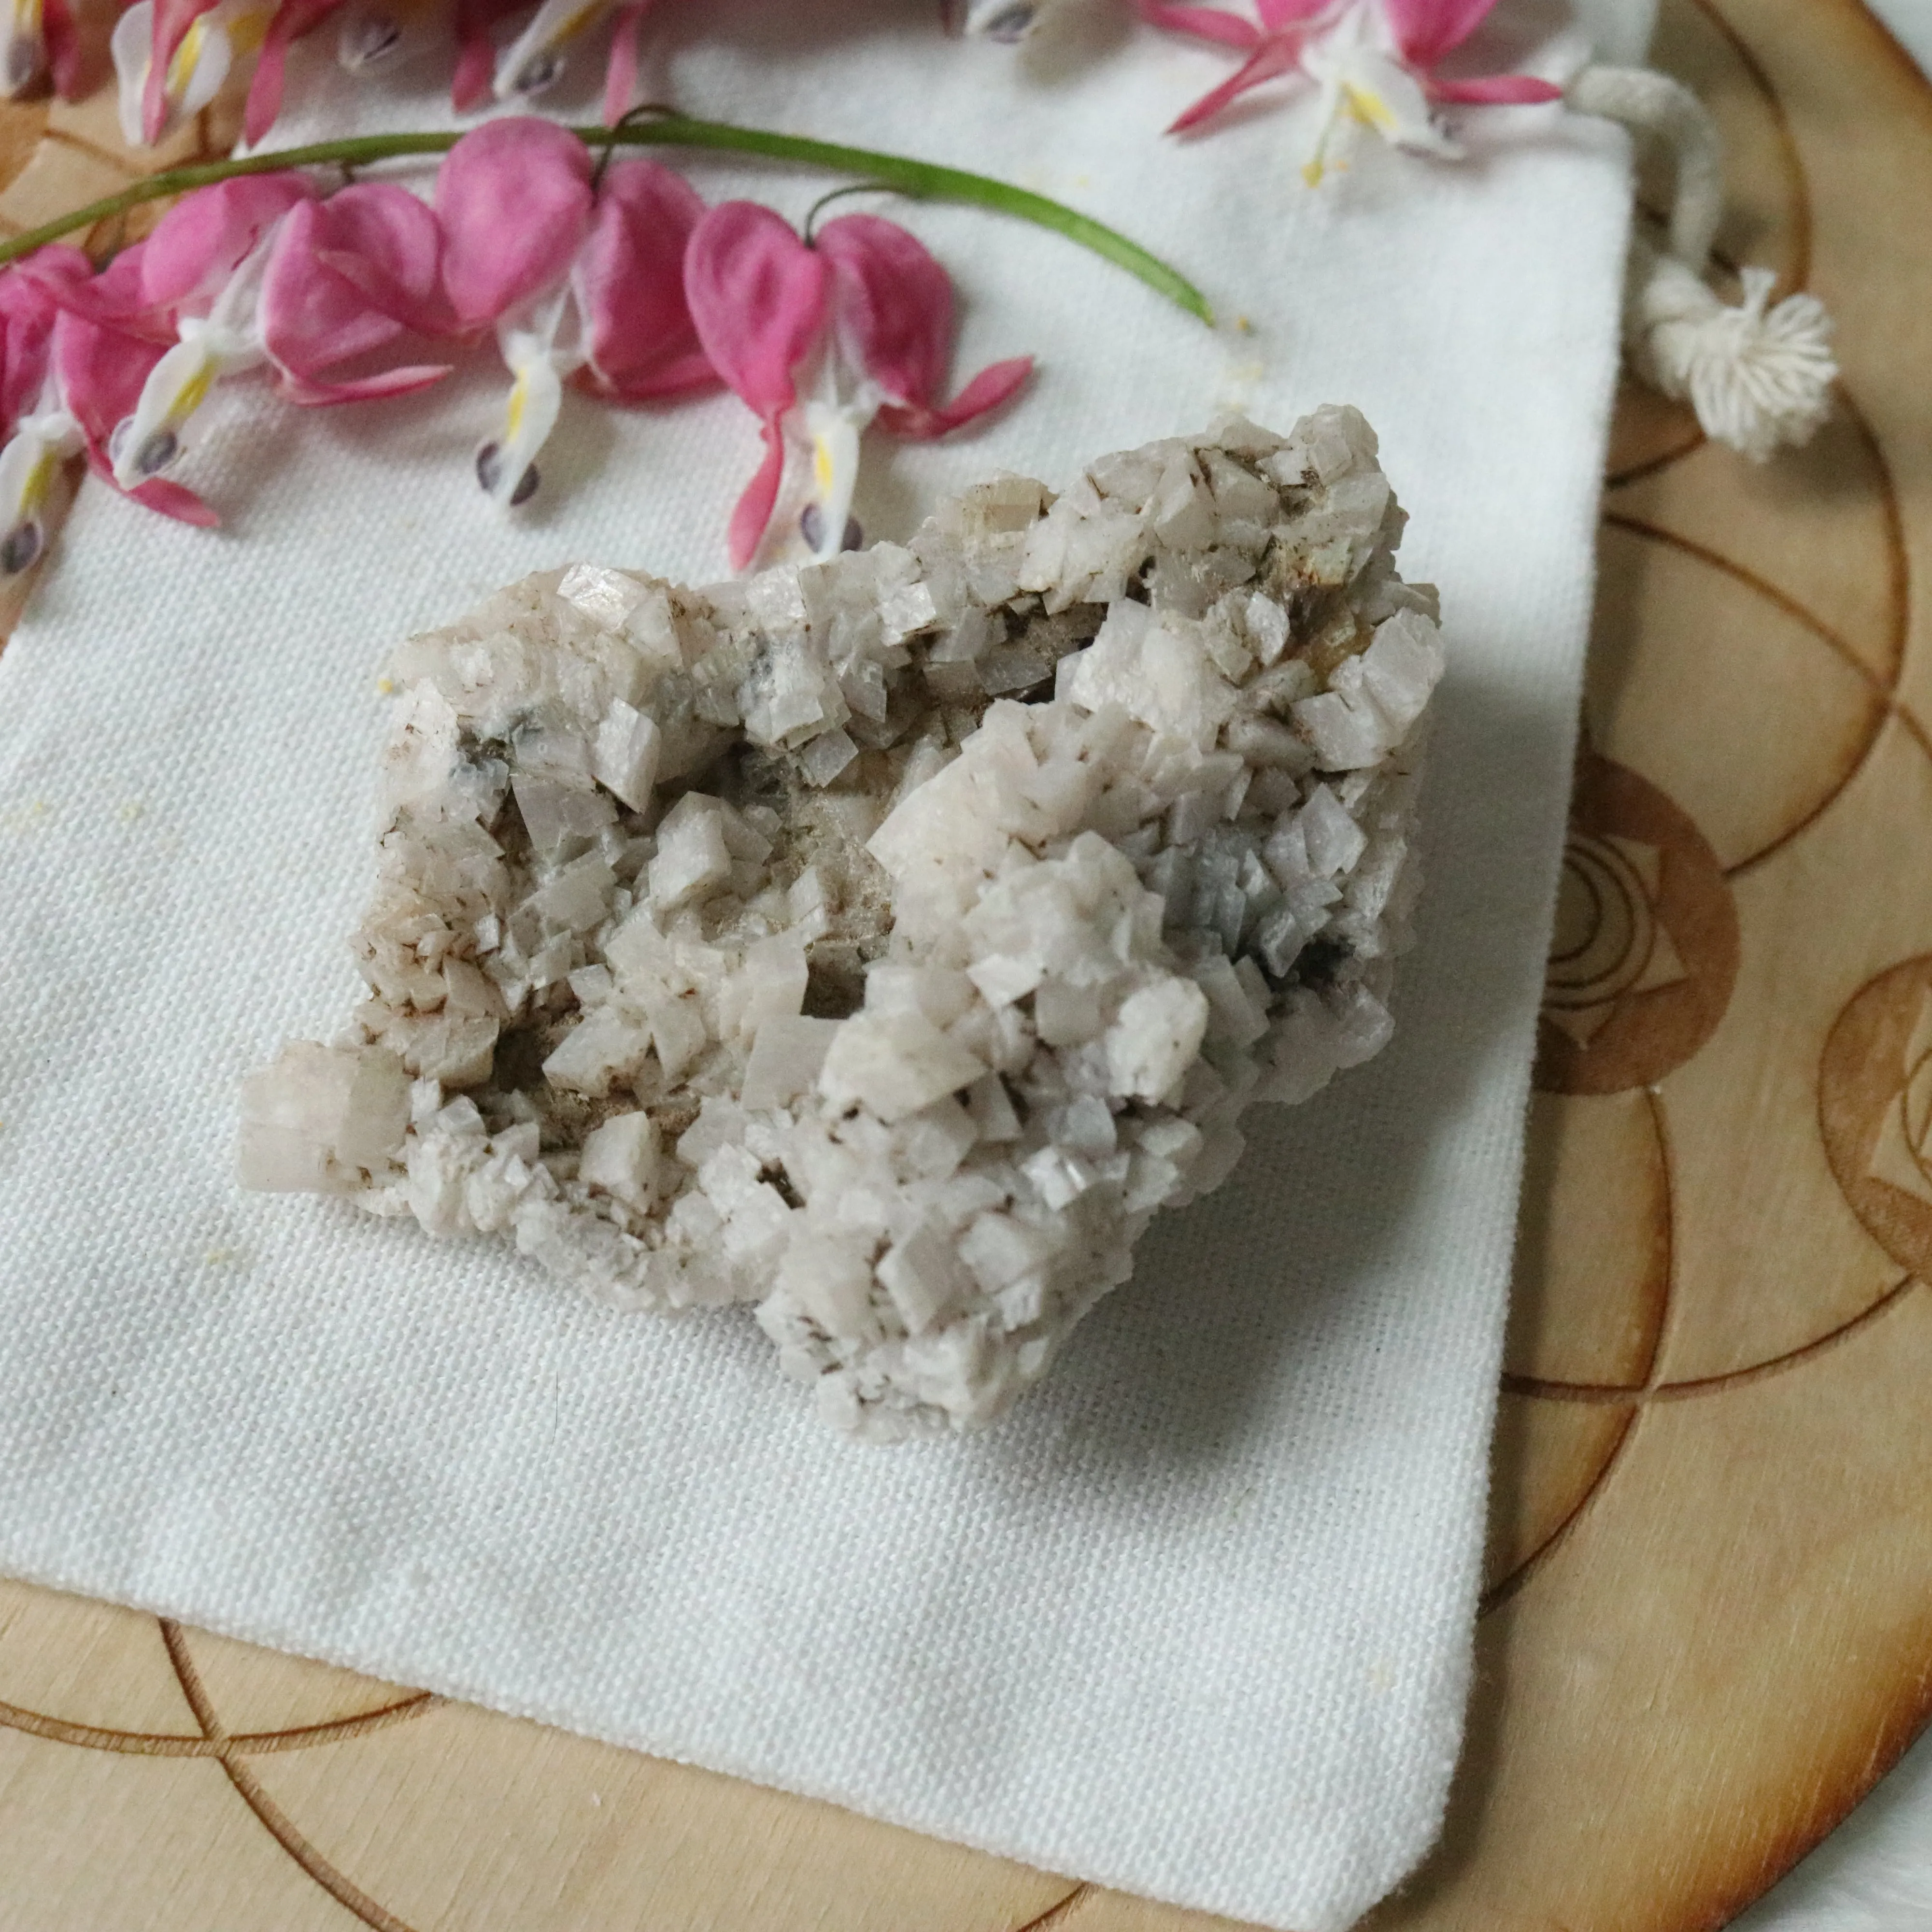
(1758, 376)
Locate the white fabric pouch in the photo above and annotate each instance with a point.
(1195, 1621)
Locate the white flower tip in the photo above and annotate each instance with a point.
(29, 466)
(20, 548)
(506, 465)
(1010, 21)
(129, 45)
(1758, 376)
(141, 453)
(22, 63)
(505, 486)
(527, 70)
(369, 37)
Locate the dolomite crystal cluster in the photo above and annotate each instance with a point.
(882, 941)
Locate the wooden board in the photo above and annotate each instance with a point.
(1708, 1627)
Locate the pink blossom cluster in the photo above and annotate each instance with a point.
(619, 281)
(1378, 62)
(172, 56)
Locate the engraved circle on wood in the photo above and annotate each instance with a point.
(1645, 949)
(1875, 1110)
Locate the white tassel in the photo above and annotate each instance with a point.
(1759, 377)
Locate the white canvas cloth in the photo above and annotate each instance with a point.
(1195, 1621)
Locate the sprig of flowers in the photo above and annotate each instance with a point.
(172, 56)
(1376, 62)
(917, 180)
(613, 276)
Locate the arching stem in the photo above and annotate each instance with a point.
(923, 181)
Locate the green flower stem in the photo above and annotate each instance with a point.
(923, 181)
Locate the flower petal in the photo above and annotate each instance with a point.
(834, 436)
(171, 499)
(309, 394)
(112, 298)
(629, 280)
(506, 467)
(620, 70)
(754, 510)
(386, 244)
(293, 18)
(893, 304)
(1275, 55)
(1496, 90)
(27, 311)
(23, 55)
(101, 373)
(1425, 30)
(514, 200)
(312, 317)
(475, 52)
(987, 391)
(759, 300)
(171, 20)
(30, 497)
(1204, 23)
(1276, 14)
(66, 58)
(201, 241)
(1385, 94)
(128, 46)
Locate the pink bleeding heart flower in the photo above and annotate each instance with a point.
(172, 56)
(170, 24)
(514, 201)
(627, 282)
(181, 269)
(312, 318)
(200, 245)
(576, 281)
(40, 433)
(102, 371)
(893, 315)
(760, 298)
(28, 306)
(250, 272)
(1374, 60)
(200, 281)
(821, 339)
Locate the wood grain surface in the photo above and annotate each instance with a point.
(1709, 1624)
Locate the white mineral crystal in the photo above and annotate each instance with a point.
(882, 941)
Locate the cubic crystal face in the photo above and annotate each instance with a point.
(883, 941)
